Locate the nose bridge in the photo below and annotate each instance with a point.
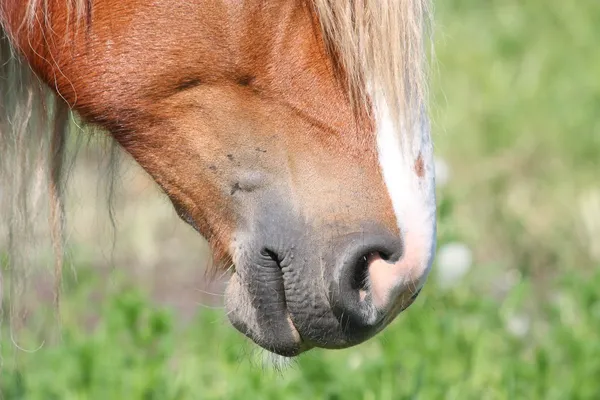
(405, 155)
(340, 193)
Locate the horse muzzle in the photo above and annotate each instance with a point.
(299, 285)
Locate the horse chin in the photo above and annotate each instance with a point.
(263, 319)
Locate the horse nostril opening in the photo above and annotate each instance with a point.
(384, 255)
(352, 287)
(360, 275)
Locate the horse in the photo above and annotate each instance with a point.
(293, 135)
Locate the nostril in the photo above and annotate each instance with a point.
(360, 276)
(352, 286)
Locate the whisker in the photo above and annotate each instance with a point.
(210, 307)
(226, 272)
(209, 293)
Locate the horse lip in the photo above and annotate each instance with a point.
(263, 318)
(303, 345)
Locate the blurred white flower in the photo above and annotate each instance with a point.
(442, 172)
(453, 261)
(518, 325)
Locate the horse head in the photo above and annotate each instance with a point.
(292, 134)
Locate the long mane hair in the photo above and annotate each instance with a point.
(383, 41)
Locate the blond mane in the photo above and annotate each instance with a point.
(37, 149)
(382, 43)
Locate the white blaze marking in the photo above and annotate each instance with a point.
(413, 198)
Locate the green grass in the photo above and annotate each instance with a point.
(516, 99)
(452, 345)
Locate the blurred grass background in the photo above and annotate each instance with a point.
(512, 309)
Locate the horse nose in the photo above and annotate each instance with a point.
(375, 278)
